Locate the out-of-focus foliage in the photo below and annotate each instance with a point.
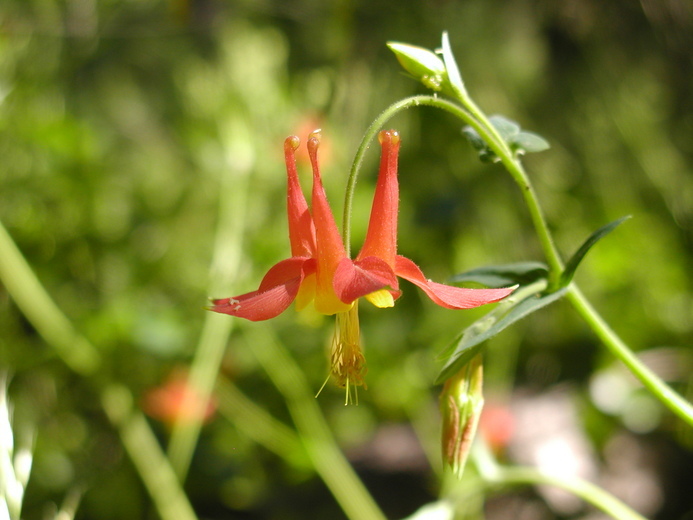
(119, 119)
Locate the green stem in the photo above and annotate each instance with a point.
(320, 444)
(675, 402)
(495, 475)
(591, 493)
(495, 142)
(216, 328)
(618, 348)
(256, 423)
(40, 309)
(146, 454)
(83, 358)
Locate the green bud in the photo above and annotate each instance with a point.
(460, 406)
(421, 63)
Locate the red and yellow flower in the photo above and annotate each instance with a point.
(320, 271)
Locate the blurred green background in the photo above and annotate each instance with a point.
(120, 120)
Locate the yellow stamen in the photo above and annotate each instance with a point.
(347, 364)
(382, 298)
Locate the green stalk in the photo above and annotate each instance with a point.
(84, 359)
(320, 444)
(618, 347)
(495, 142)
(590, 493)
(256, 423)
(497, 476)
(217, 328)
(40, 309)
(146, 454)
(675, 402)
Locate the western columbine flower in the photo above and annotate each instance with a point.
(320, 270)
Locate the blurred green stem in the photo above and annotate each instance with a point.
(40, 309)
(83, 358)
(146, 454)
(317, 438)
(473, 116)
(256, 423)
(217, 328)
(495, 476)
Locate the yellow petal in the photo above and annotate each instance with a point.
(381, 298)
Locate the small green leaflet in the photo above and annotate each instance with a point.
(575, 260)
(520, 141)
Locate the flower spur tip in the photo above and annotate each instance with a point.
(291, 143)
(388, 137)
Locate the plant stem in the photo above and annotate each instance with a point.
(146, 454)
(618, 348)
(591, 493)
(216, 329)
(495, 475)
(40, 309)
(256, 423)
(328, 460)
(84, 359)
(495, 142)
(675, 402)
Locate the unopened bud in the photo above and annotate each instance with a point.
(421, 63)
(460, 405)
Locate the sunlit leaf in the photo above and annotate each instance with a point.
(451, 66)
(523, 273)
(575, 260)
(523, 302)
(529, 142)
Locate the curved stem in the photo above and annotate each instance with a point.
(492, 138)
(495, 475)
(618, 348)
(587, 491)
(84, 359)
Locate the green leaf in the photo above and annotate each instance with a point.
(529, 142)
(507, 128)
(520, 141)
(523, 273)
(521, 303)
(572, 265)
(474, 138)
(453, 71)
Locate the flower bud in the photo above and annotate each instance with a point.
(460, 406)
(421, 63)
